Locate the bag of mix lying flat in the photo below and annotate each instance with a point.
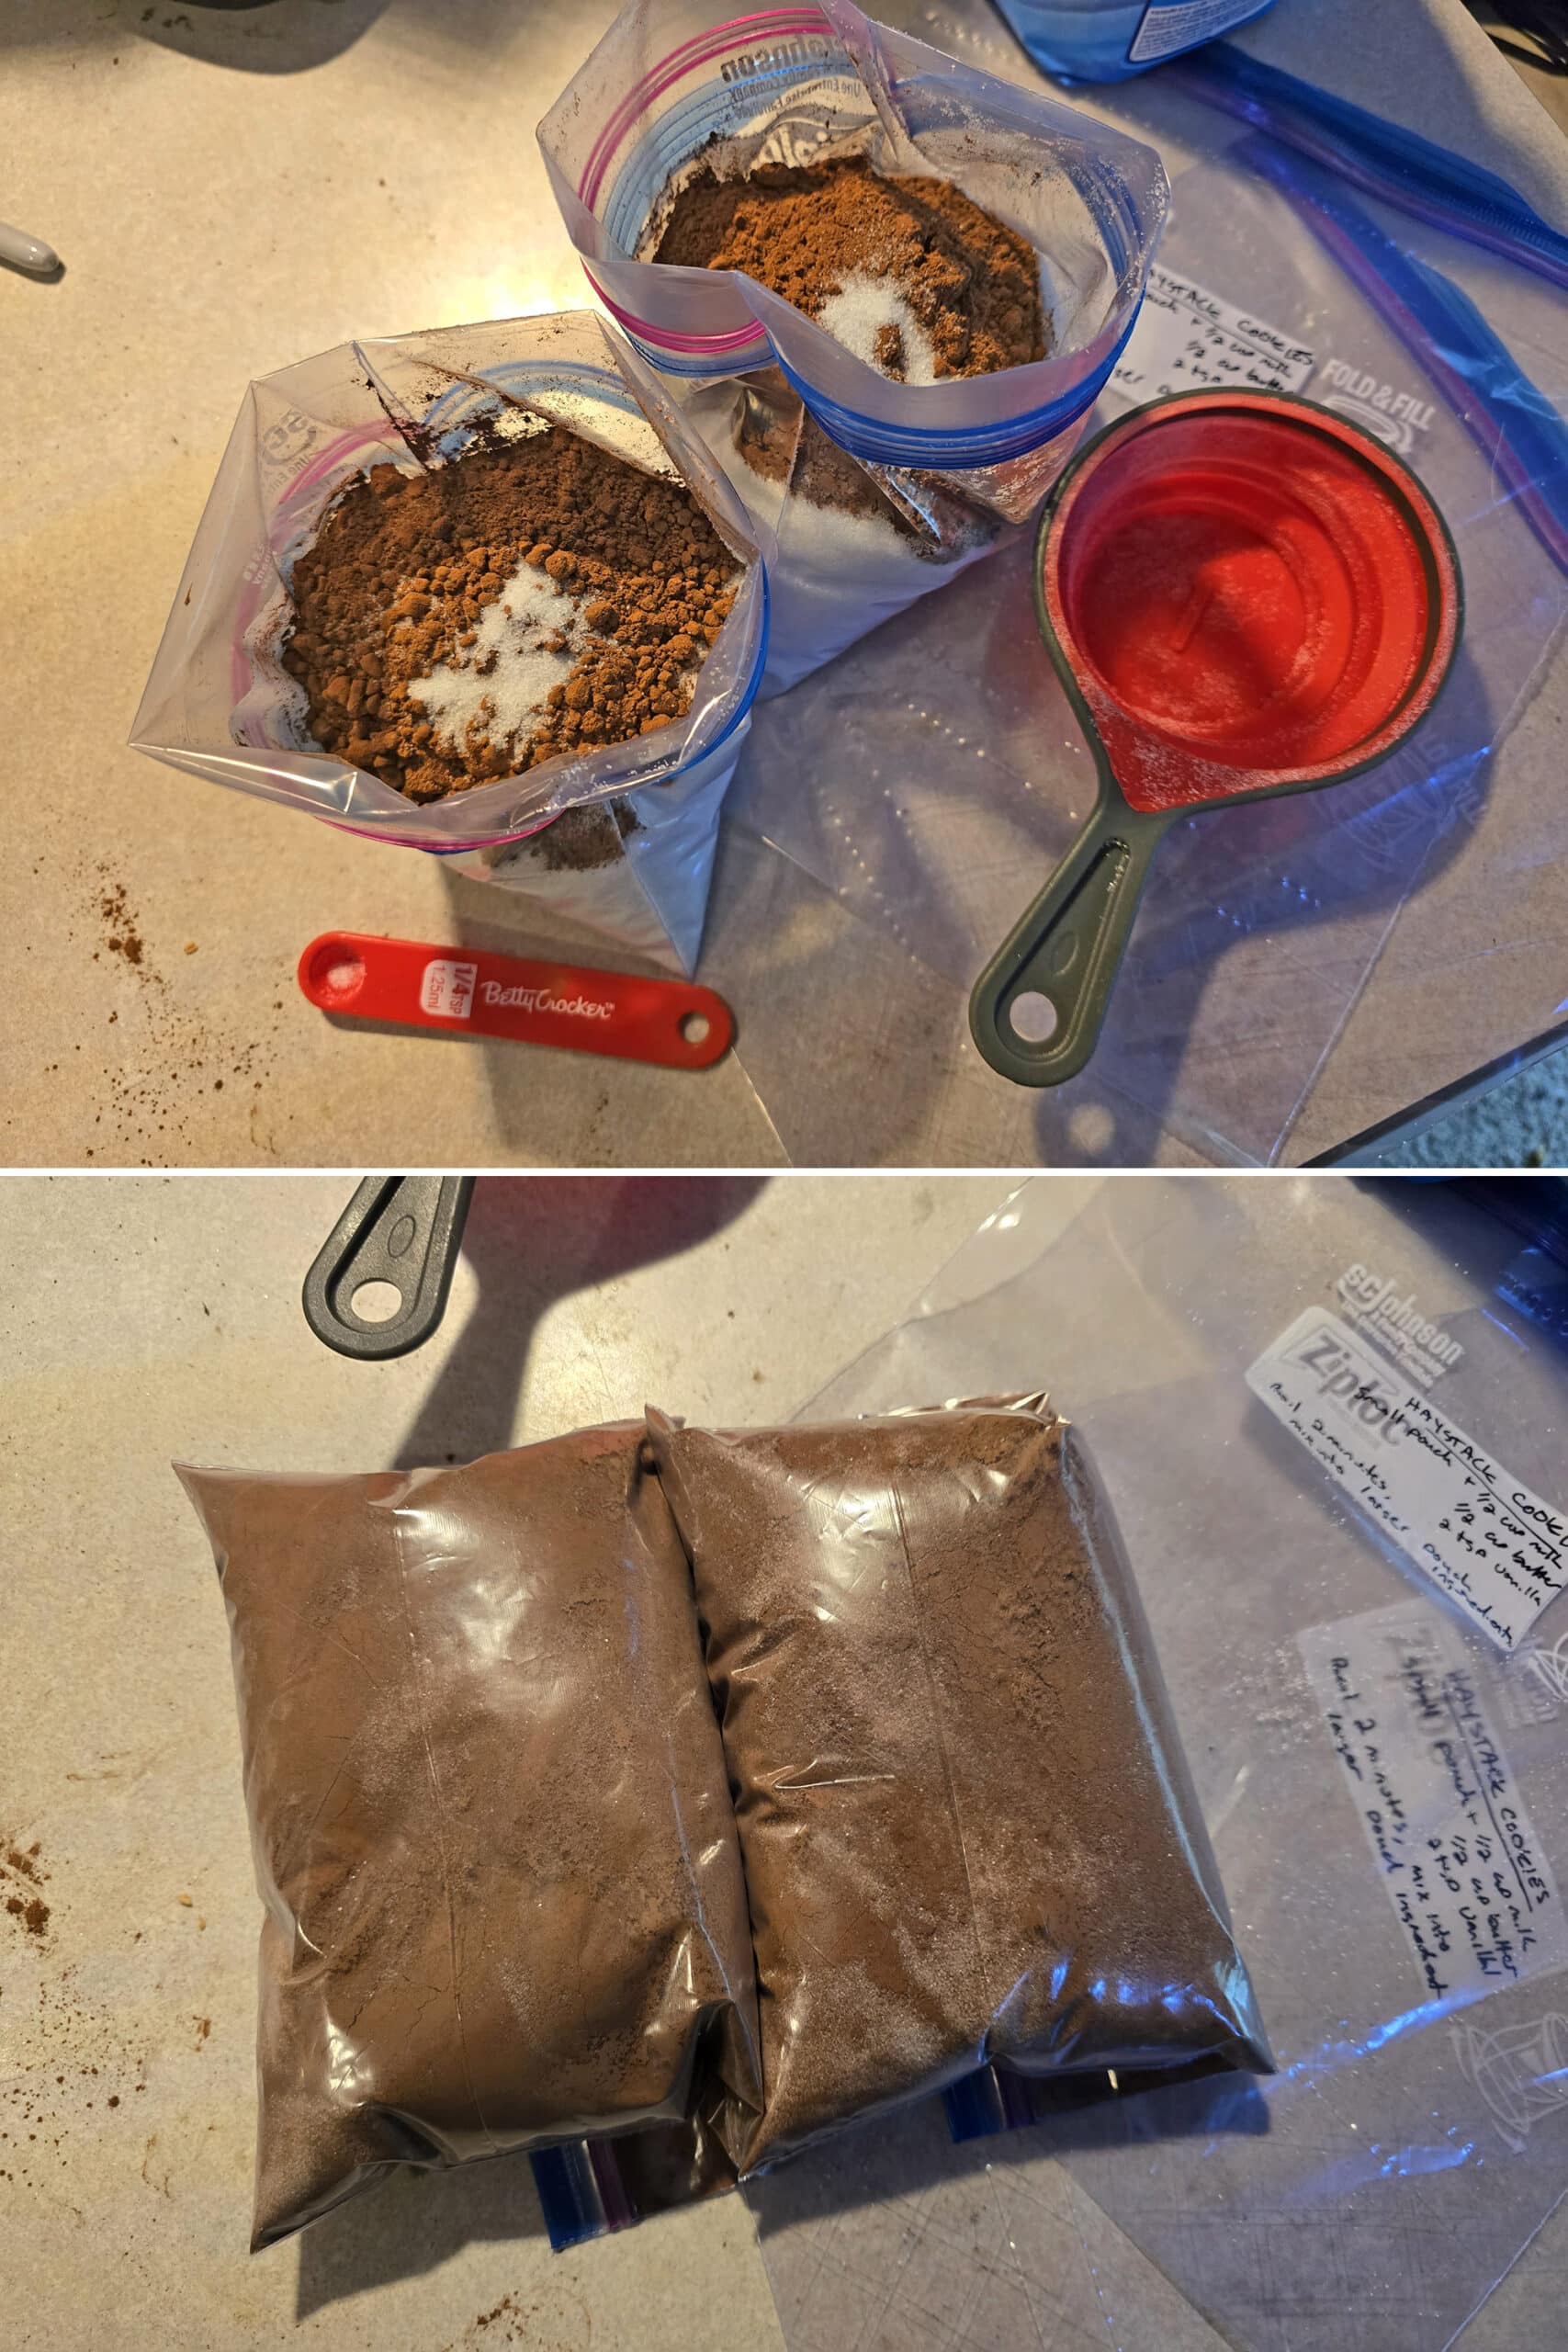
(890, 286)
(503, 1895)
(968, 1831)
(538, 1873)
(480, 592)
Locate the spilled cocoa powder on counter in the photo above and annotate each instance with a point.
(910, 273)
(22, 1875)
(533, 596)
(968, 1829)
(487, 1800)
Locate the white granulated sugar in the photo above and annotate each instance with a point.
(861, 306)
(506, 701)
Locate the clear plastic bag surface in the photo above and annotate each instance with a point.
(219, 703)
(968, 1829)
(940, 466)
(1358, 1739)
(488, 1804)
(931, 785)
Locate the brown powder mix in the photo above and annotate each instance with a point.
(967, 1829)
(404, 567)
(971, 282)
(577, 840)
(490, 1812)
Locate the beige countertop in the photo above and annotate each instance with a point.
(144, 1318)
(232, 191)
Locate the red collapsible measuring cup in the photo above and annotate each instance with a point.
(1244, 594)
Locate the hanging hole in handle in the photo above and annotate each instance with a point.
(1033, 1018)
(377, 1301)
(695, 1028)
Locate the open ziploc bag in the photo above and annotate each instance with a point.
(1384, 1779)
(219, 703)
(878, 489)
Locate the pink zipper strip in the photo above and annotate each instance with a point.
(732, 338)
(718, 41)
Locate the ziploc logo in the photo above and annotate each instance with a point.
(1354, 1383)
(805, 48)
(448, 989)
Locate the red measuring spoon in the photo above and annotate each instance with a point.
(1244, 594)
(473, 994)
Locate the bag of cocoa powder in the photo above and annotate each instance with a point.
(504, 1904)
(891, 286)
(967, 1826)
(479, 591)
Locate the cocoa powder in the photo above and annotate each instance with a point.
(404, 568)
(967, 1829)
(18, 1863)
(971, 282)
(777, 436)
(579, 840)
(488, 1804)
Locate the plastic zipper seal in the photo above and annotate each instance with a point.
(1508, 417)
(1382, 158)
(580, 2192)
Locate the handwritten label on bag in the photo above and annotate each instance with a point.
(1456, 1851)
(1187, 340)
(1491, 1545)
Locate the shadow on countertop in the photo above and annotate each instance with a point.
(414, 2221)
(411, 2223)
(260, 35)
(531, 1240)
(245, 36)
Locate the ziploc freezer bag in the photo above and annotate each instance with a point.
(1384, 1777)
(878, 489)
(219, 703)
(503, 1900)
(966, 1824)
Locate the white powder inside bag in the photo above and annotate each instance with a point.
(506, 700)
(862, 305)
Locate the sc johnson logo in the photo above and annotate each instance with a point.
(583, 1008)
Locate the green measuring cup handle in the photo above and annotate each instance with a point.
(1066, 949)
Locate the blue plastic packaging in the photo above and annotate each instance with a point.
(1109, 41)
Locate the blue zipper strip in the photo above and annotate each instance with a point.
(1449, 333)
(1415, 173)
(568, 2195)
(937, 446)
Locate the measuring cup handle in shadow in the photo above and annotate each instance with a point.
(1037, 1007)
(402, 1230)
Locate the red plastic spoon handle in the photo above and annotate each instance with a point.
(472, 994)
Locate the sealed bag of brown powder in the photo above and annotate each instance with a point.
(504, 1903)
(966, 1824)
